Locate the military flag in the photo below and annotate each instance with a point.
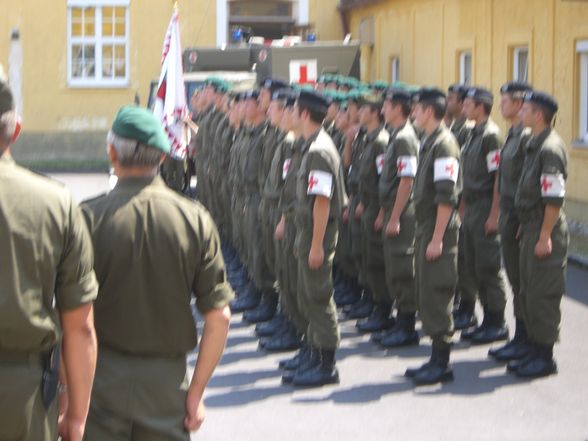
(170, 101)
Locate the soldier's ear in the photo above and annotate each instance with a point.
(111, 154)
(17, 129)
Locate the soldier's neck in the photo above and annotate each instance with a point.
(373, 126)
(539, 128)
(398, 123)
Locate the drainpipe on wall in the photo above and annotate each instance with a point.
(15, 69)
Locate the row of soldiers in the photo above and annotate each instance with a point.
(382, 199)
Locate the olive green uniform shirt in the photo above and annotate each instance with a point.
(45, 257)
(154, 251)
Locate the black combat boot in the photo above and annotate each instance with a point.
(267, 329)
(495, 329)
(438, 369)
(248, 299)
(539, 364)
(352, 293)
(265, 310)
(464, 316)
(238, 277)
(308, 360)
(320, 375)
(515, 349)
(403, 334)
(291, 364)
(289, 340)
(363, 308)
(378, 320)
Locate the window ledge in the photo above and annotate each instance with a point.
(579, 144)
(123, 84)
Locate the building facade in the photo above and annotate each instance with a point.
(73, 63)
(486, 42)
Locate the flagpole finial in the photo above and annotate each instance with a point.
(175, 4)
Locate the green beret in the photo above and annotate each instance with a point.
(379, 85)
(6, 99)
(133, 122)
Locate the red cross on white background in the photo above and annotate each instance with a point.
(545, 184)
(496, 158)
(312, 181)
(401, 166)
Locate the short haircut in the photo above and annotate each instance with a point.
(405, 106)
(439, 107)
(131, 153)
(547, 113)
(316, 116)
(8, 121)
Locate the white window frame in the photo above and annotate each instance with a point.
(463, 55)
(516, 54)
(98, 40)
(394, 69)
(582, 51)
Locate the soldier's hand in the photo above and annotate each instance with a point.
(359, 210)
(543, 247)
(379, 222)
(70, 430)
(393, 227)
(346, 215)
(316, 257)
(434, 250)
(279, 233)
(195, 413)
(491, 226)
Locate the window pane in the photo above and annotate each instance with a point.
(120, 62)
(89, 28)
(76, 22)
(523, 65)
(120, 22)
(107, 61)
(82, 61)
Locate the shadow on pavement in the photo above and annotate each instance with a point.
(577, 281)
(236, 340)
(241, 378)
(234, 357)
(242, 397)
(364, 393)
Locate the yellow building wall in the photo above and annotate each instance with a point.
(428, 35)
(48, 102)
(326, 19)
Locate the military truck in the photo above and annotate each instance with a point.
(298, 63)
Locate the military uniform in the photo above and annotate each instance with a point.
(400, 161)
(542, 183)
(480, 162)
(371, 165)
(437, 182)
(289, 263)
(47, 268)
(320, 175)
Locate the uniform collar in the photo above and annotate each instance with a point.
(536, 141)
(137, 183)
(479, 128)
(374, 134)
(516, 130)
(458, 123)
(312, 139)
(395, 131)
(430, 139)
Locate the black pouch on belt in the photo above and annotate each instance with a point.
(50, 377)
